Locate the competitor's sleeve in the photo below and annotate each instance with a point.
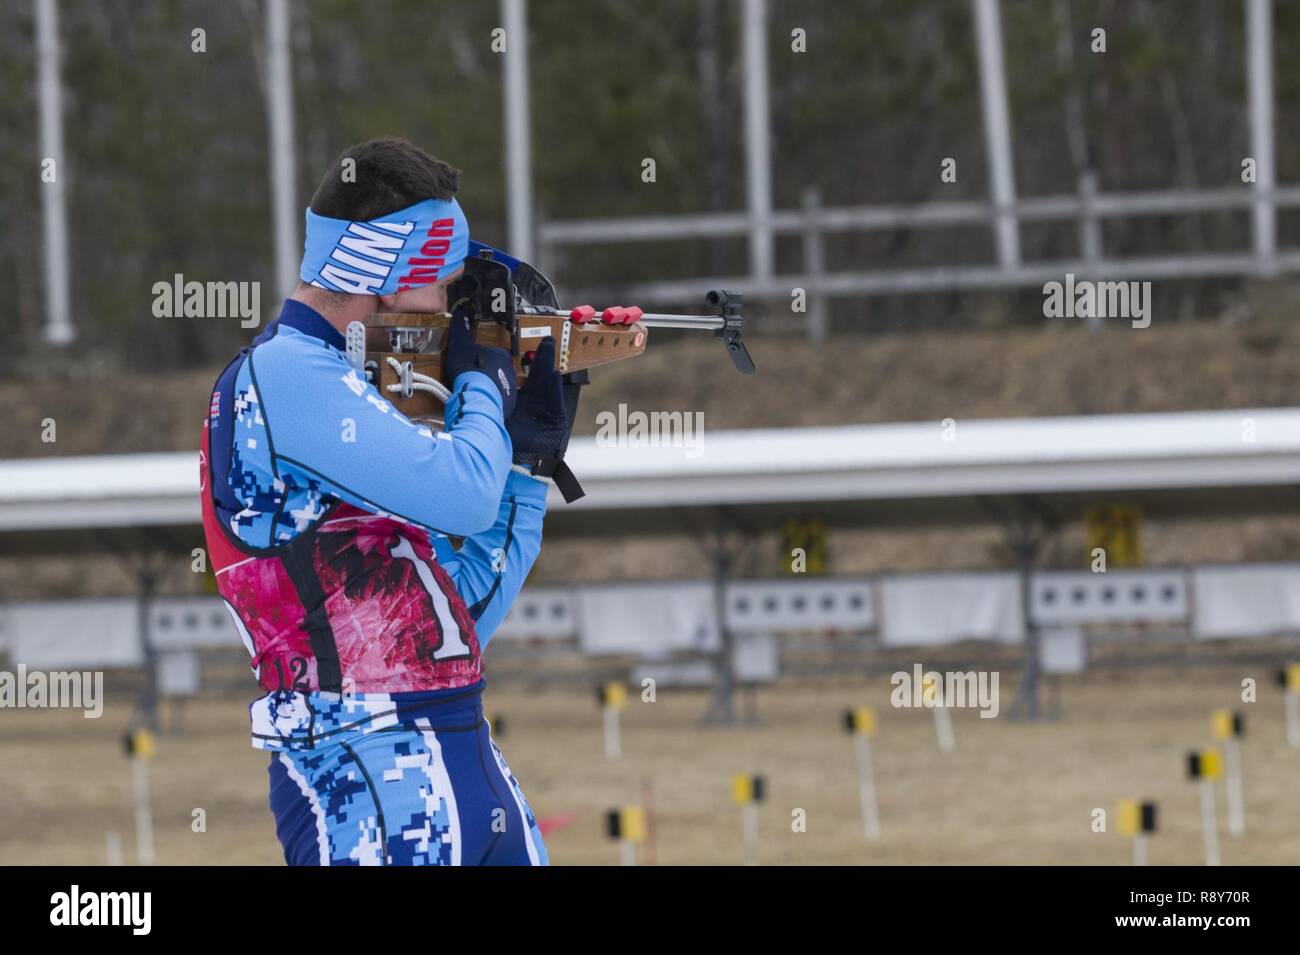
(324, 419)
(490, 567)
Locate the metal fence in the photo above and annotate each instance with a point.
(1003, 212)
(759, 223)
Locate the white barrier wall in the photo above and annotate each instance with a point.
(929, 609)
(636, 618)
(106, 632)
(1251, 600)
(661, 617)
(75, 633)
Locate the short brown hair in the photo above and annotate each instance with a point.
(391, 174)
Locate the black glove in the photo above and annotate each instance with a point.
(539, 428)
(462, 354)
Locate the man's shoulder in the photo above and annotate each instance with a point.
(291, 354)
(298, 380)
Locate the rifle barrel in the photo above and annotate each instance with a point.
(649, 319)
(653, 320)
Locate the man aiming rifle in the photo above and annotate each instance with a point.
(329, 516)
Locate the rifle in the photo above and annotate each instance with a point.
(511, 305)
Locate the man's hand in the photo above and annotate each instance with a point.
(462, 354)
(539, 427)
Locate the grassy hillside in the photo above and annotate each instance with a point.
(1250, 358)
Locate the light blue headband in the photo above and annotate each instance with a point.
(415, 246)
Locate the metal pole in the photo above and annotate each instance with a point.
(284, 186)
(758, 152)
(1024, 543)
(1233, 784)
(997, 130)
(519, 176)
(114, 848)
(613, 748)
(814, 265)
(1089, 223)
(148, 704)
(1139, 849)
(58, 311)
(1209, 823)
(721, 710)
(651, 838)
(143, 811)
(749, 827)
(1089, 230)
(943, 723)
(1259, 76)
(867, 788)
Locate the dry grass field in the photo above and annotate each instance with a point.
(1011, 792)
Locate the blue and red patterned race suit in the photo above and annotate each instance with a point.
(327, 515)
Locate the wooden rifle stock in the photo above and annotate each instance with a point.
(397, 349)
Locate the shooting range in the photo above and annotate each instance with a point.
(938, 439)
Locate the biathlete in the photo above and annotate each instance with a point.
(330, 520)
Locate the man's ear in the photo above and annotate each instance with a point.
(389, 300)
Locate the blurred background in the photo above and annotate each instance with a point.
(924, 471)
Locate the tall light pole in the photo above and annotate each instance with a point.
(284, 186)
(519, 174)
(58, 310)
(997, 130)
(1259, 79)
(758, 149)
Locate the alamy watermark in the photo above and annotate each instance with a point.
(132, 910)
(654, 429)
(1084, 298)
(928, 689)
(181, 299)
(56, 689)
